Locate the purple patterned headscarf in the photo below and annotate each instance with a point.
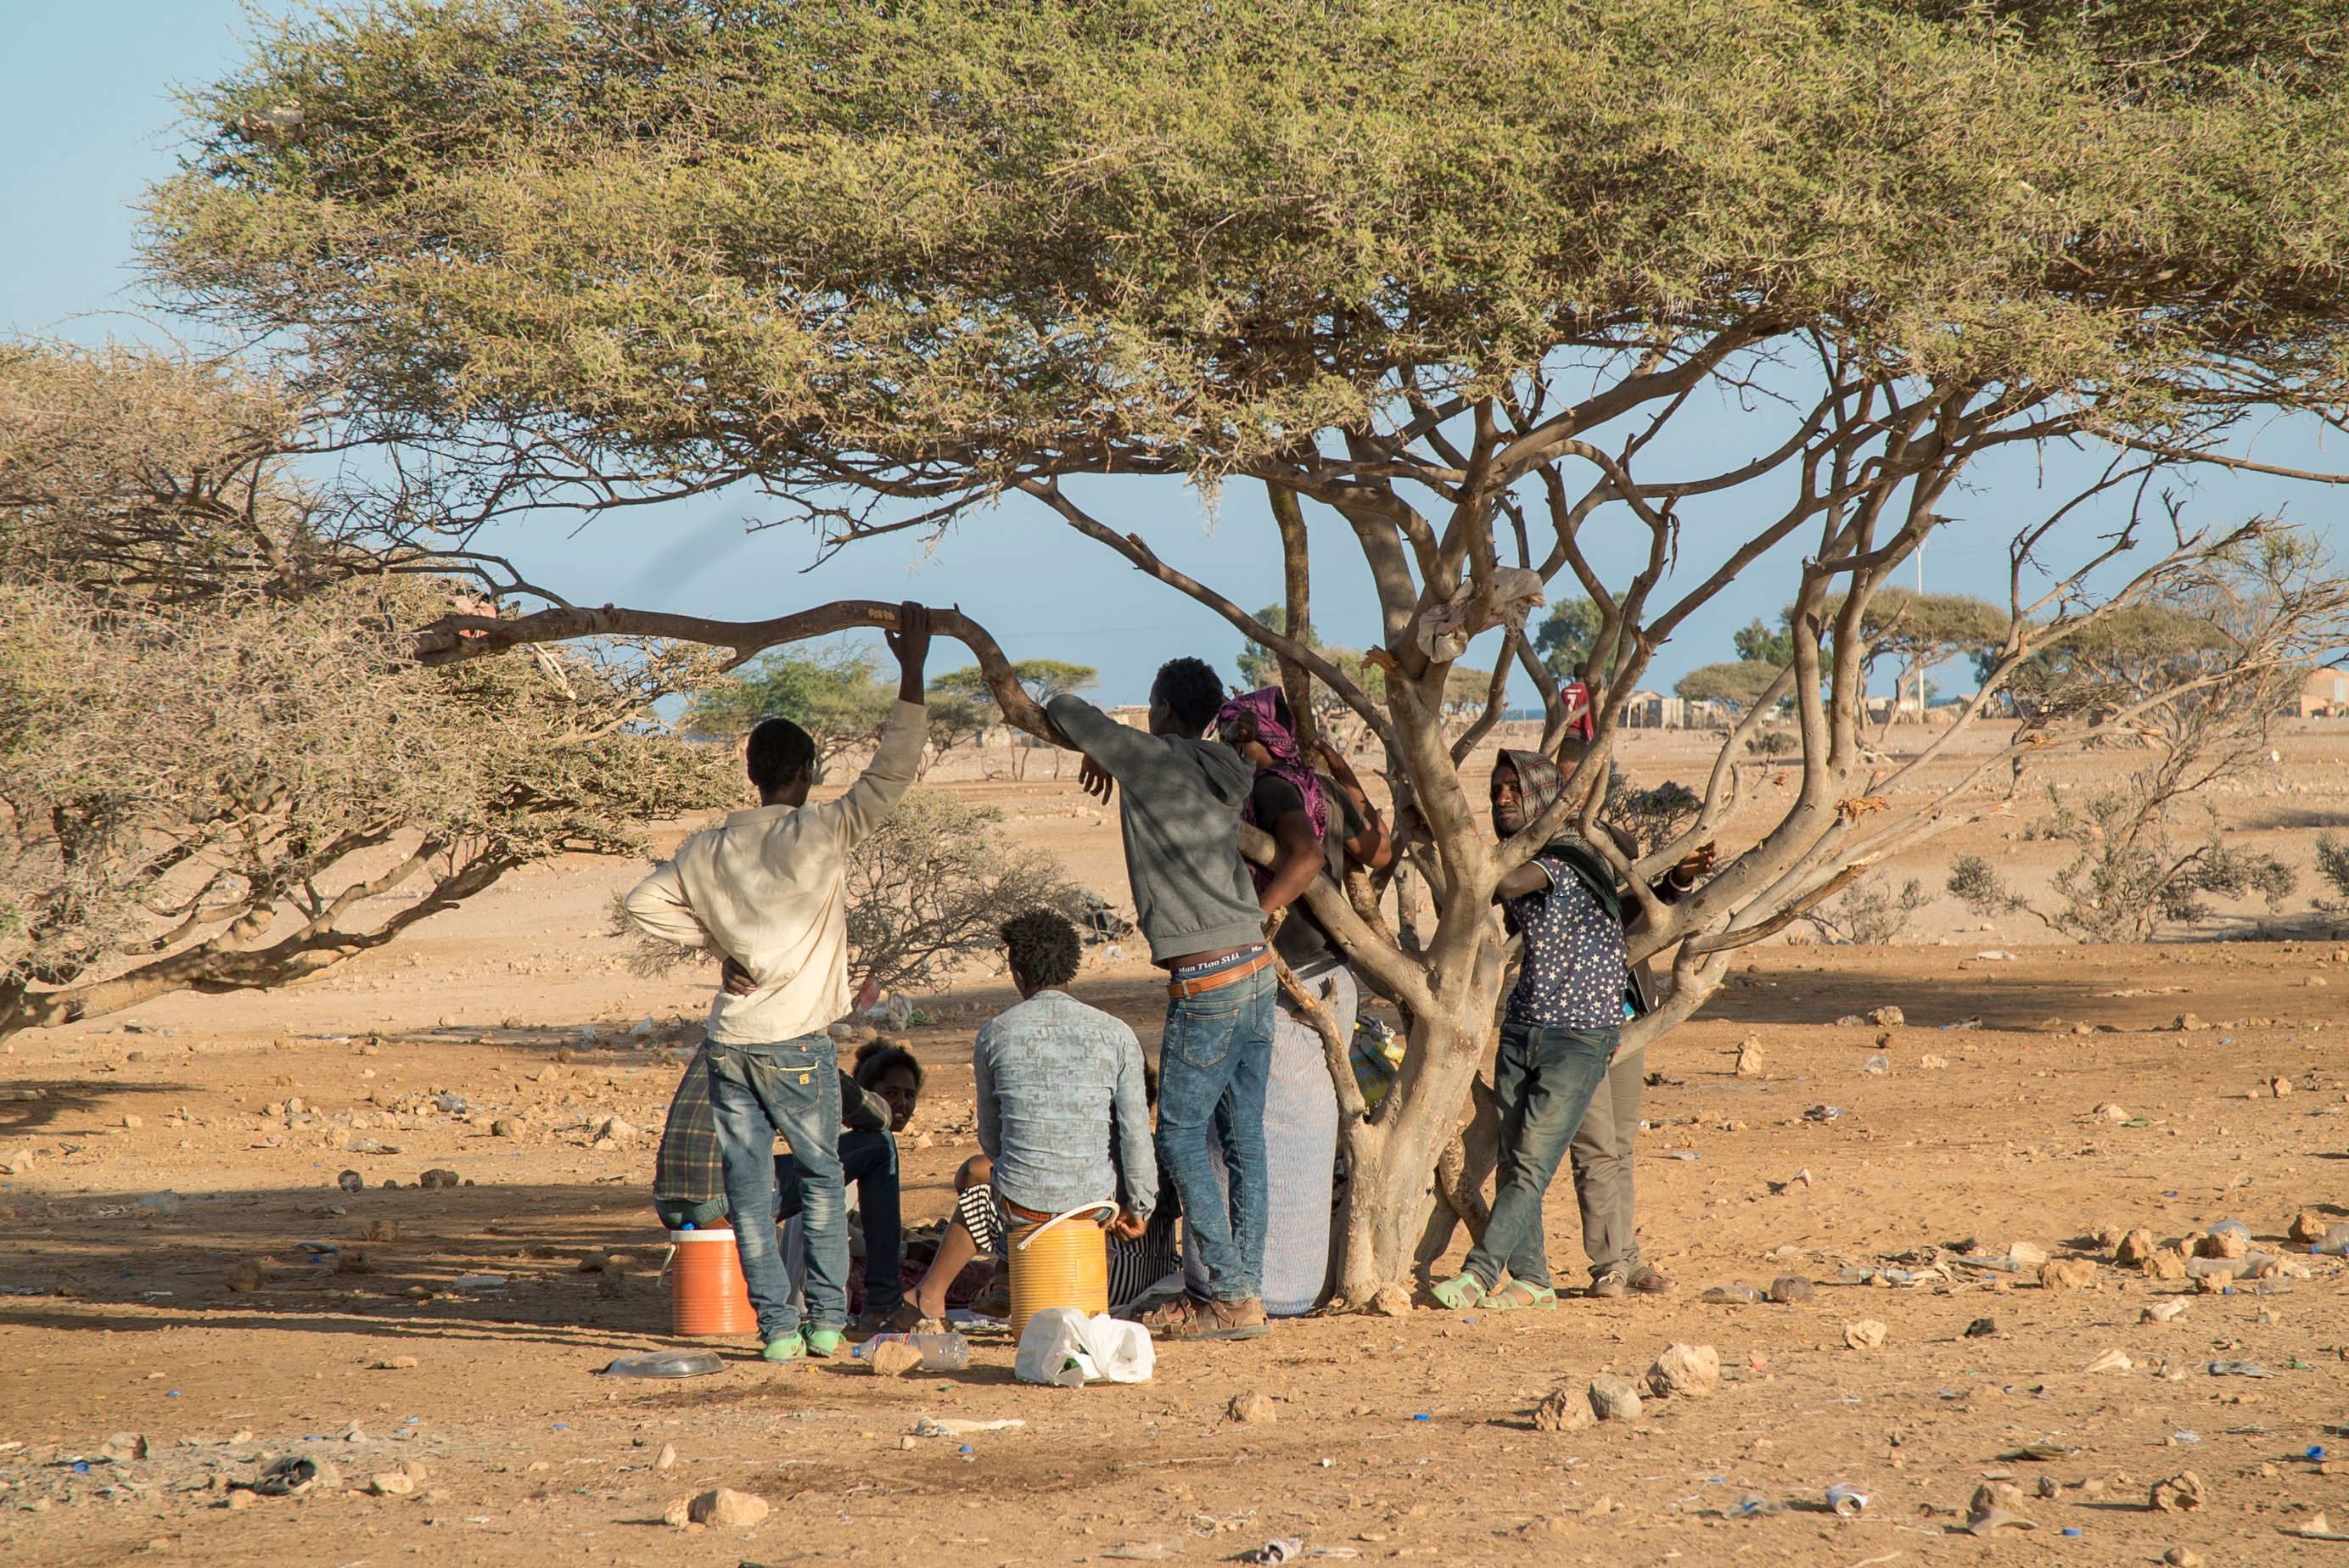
(1287, 764)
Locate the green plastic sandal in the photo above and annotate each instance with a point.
(1516, 1295)
(825, 1342)
(785, 1347)
(1459, 1295)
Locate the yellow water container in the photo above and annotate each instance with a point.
(1061, 1262)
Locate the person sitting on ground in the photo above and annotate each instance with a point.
(1559, 1031)
(1318, 825)
(876, 1102)
(767, 888)
(1179, 808)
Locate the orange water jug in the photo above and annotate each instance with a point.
(708, 1295)
(1063, 1261)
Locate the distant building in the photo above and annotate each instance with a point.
(1134, 715)
(2325, 693)
(1653, 710)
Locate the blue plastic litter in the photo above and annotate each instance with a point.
(2316, 1450)
(562, 1426)
(170, 1392)
(2069, 1529)
(81, 1467)
(1422, 1416)
(964, 1449)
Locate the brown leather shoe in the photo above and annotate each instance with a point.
(1609, 1286)
(1187, 1319)
(1648, 1282)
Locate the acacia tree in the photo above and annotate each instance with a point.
(891, 265)
(220, 766)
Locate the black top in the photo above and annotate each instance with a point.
(1300, 942)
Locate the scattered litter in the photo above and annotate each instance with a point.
(1732, 1294)
(1282, 1549)
(1144, 1552)
(2239, 1370)
(2168, 1311)
(1823, 1113)
(1682, 1155)
(1846, 1500)
(2110, 1361)
(1982, 1328)
(1879, 1064)
(451, 1104)
(478, 1282)
(667, 1364)
(1753, 1505)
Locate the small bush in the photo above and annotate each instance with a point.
(1870, 913)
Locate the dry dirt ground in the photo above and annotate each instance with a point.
(1393, 1437)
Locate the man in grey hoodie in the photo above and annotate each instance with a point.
(1180, 811)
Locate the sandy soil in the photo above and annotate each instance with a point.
(1393, 1437)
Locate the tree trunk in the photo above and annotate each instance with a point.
(1297, 584)
(1392, 1158)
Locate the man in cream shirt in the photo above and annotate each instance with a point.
(766, 891)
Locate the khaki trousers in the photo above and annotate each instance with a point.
(1602, 1155)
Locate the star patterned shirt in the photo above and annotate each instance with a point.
(1574, 968)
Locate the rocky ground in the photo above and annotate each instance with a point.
(190, 1296)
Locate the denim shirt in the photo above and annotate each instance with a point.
(1050, 1074)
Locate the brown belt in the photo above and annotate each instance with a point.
(1178, 989)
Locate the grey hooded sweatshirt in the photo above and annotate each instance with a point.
(1179, 804)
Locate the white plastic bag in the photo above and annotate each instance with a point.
(1063, 1346)
(1122, 1350)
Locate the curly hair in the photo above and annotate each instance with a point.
(1192, 691)
(1043, 948)
(875, 1057)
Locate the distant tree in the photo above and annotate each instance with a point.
(1043, 679)
(1740, 684)
(1757, 643)
(965, 702)
(1567, 635)
(2197, 678)
(834, 694)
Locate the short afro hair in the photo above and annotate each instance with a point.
(1192, 692)
(1043, 948)
(876, 1058)
(779, 752)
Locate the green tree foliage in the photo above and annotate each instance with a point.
(1757, 643)
(1568, 635)
(1740, 684)
(836, 695)
(894, 262)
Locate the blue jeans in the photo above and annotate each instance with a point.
(791, 1088)
(1542, 1082)
(1213, 1062)
(870, 1160)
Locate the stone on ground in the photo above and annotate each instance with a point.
(1684, 1370)
(1865, 1334)
(1614, 1400)
(1252, 1409)
(725, 1506)
(2181, 1493)
(1565, 1410)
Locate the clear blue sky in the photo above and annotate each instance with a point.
(87, 118)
